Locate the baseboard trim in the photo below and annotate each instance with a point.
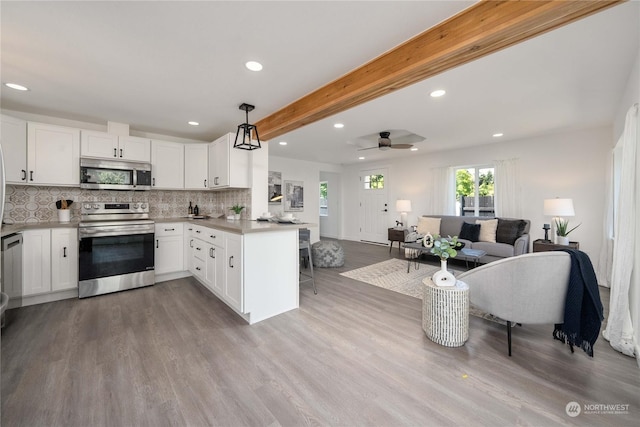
(172, 276)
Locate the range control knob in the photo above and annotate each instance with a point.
(87, 206)
(143, 206)
(95, 206)
(136, 205)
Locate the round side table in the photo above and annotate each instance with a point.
(445, 313)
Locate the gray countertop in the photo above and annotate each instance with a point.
(238, 227)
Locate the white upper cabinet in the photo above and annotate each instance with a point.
(109, 146)
(53, 155)
(196, 166)
(228, 167)
(167, 165)
(13, 136)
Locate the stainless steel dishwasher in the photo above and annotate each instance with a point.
(12, 268)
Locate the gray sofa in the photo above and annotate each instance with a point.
(451, 226)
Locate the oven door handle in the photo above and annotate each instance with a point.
(116, 231)
(135, 174)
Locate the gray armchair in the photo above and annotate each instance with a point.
(529, 288)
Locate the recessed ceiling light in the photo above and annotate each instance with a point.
(253, 66)
(414, 149)
(16, 86)
(282, 142)
(338, 125)
(194, 123)
(497, 135)
(437, 93)
(360, 158)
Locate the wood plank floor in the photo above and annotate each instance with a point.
(354, 354)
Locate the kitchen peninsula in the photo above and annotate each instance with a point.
(252, 266)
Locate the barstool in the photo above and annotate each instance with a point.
(304, 244)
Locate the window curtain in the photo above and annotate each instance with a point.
(619, 330)
(605, 258)
(507, 190)
(443, 190)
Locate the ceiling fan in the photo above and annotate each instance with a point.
(384, 143)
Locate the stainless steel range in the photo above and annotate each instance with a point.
(116, 248)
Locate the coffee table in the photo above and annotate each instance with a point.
(464, 254)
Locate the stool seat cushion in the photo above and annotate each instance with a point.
(327, 254)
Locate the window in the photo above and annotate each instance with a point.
(324, 208)
(374, 182)
(474, 191)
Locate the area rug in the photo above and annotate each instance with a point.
(392, 274)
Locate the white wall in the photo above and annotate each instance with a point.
(309, 174)
(330, 225)
(570, 164)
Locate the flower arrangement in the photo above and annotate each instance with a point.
(562, 225)
(443, 247)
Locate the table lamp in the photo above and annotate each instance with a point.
(558, 208)
(403, 206)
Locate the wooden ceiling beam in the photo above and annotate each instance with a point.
(484, 28)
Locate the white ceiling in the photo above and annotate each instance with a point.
(157, 65)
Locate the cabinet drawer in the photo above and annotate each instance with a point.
(199, 249)
(199, 268)
(214, 237)
(169, 229)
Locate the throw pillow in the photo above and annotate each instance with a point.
(470, 232)
(509, 230)
(428, 225)
(488, 230)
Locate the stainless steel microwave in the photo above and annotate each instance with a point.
(114, 175)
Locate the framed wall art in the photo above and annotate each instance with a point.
(293, 196)
(275, 188)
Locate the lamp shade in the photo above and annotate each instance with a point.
(403, 205)
(558, 207)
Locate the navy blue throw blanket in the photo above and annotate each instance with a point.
(583, 308)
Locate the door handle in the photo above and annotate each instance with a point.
(205, 183)
(24, 175)
(191, 243)
(115, 152)
(198, 268)
(157, 243)
(154, 182)
(31, 175)
(385, 210)
(64, 252)
(121, 152)
(231, 261)
(211, 253)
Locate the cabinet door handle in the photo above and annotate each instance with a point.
(213, 236)
(157, 243)
(191, 243)
(24, 175)
(198, 248)
(64, 252)
(169, 229)
(198, 231)
(205, 183)
(115, 152)
(121, 152)
(154, 182)
(198, 268)
(31, 175)
(231, 261)
(212, 253)
(215, 181)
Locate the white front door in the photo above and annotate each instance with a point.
(374, 206)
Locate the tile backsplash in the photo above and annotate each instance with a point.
(33, 204)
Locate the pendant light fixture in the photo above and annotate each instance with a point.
(245, 142)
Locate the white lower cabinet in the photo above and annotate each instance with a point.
(169, 248)
(233, 286)
(49, 260)
(36, 261)
(64, 258)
